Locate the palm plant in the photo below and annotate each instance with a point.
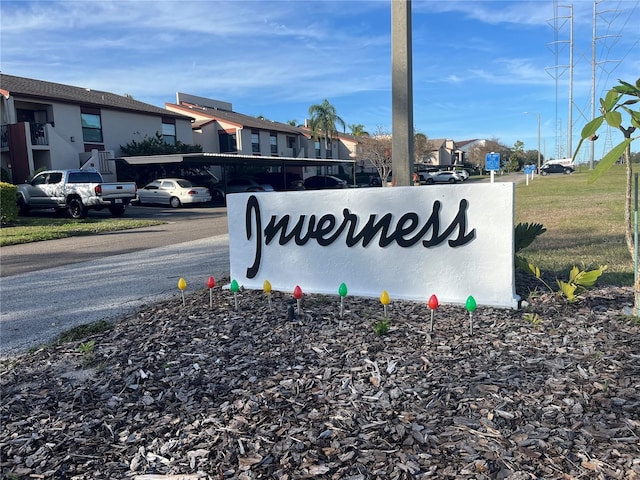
(323, 122)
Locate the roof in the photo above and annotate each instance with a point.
(27, 87)
(239, 119)
(225, 159)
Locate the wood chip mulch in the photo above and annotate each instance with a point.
(196, 392)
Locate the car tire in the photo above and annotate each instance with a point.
(76, 209)
(174, 202)
(429, 181)
(567, 171)
(452, 180)
(544, 174)
(217, 196)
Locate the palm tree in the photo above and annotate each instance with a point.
(323, 122)
(357, 130)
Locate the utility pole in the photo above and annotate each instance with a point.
(402, 93)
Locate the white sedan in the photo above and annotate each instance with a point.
(443, 177)
(174, 192)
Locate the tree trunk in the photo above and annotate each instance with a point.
(629, 233)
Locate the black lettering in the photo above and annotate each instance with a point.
(253, 205)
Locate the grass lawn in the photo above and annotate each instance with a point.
(35, 229)
(584, 222)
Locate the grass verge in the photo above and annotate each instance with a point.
(36, 229)
(584, 222)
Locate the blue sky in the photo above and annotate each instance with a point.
(477, 65)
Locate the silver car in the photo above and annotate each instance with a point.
(443, 177)
(173, 191)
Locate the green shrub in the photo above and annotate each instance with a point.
(8, 206)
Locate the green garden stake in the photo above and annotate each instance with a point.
(234, 287)
(342, 291)
(471, 306)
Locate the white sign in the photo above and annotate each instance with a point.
(449, 240)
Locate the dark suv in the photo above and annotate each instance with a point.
(555, 168)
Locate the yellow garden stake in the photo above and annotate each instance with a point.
(182, 285)
(266, 286)
(384, 300)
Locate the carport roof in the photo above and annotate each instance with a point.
(226, 159)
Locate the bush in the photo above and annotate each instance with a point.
(8, 206)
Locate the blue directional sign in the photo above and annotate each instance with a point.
(492, 161)
(529, 169)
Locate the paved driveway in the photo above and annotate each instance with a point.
(49, 287)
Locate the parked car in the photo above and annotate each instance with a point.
(443, 177)
(462, 173)
(555, 168)
(173, 191)
(239, 185)
(318, 182)
(279, 181)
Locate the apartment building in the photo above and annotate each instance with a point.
(51, 125)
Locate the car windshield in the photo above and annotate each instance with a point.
(185, 183)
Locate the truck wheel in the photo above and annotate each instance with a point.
(174, 202)
(23, 208)
(76, 208)
(117, 210)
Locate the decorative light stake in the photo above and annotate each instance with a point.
(384, 300)
(211, 282)
(433, 304)
(182, 285)
(266, 286)
(342, 291)
(297, 294)
(471, 306)
(234, 287)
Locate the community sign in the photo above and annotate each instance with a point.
(453, 241)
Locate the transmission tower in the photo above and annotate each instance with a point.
(558, 70)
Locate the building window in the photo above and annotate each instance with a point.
(317, 145)
(273, 139)
(91, 125)
(227, 141)
(330, 151)
(255, 141)
(169, 131)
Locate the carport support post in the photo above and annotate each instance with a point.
(401, 92)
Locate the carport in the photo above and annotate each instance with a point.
(143, 169)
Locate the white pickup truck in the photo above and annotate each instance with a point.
(75, 191)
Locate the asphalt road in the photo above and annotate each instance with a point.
(50, 287)
(182, 225)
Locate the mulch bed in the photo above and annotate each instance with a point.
(197, 392)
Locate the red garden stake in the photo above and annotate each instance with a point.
(211, 282)
(297, 294)
(433, 304)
